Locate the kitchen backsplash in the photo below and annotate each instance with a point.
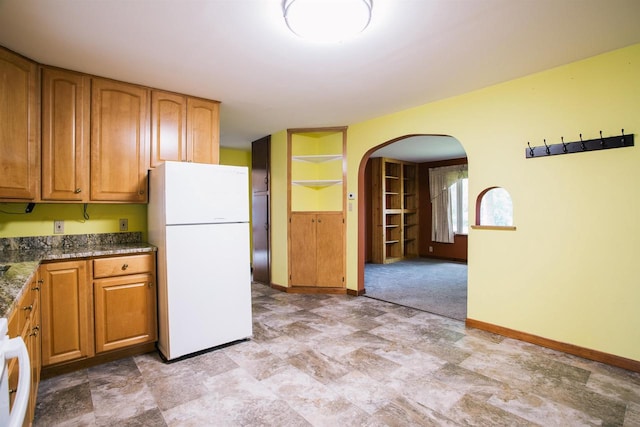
(68, 241)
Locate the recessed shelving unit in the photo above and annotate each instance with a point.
(316, 205)
(395, 213)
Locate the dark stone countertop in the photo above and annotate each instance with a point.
(24, 265)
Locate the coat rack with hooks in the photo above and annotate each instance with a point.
(601, 143)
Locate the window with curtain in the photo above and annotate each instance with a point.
(448, 194)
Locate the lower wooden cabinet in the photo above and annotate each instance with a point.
(25, 322)
(125, 312)
(67, 323)
(316, 254)
(91, 307)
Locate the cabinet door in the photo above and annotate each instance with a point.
(203, 130)
(302, 249)
(330, 250)
(65, 300)
(19, 118)
(65, 135)
(125, 311)
(168, 127)
(119, 131)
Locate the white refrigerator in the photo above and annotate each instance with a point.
(198, 217)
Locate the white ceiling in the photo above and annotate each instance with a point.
(241, 53)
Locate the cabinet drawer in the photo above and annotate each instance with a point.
(21, 314)
(123, 265)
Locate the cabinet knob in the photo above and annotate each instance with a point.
(125, 266)
(78, 190)
(29, 307)
(36, 288)
(141, 192)
(150, 284)
(319, 220)
(34, 331)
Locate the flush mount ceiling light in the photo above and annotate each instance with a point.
(327, 20)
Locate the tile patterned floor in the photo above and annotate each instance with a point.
(320, 360)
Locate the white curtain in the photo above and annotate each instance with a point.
(440, 179)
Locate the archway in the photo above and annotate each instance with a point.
(425, 151)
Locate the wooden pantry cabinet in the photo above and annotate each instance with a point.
(24, 321)
(96, 306)
(66, 107)
(316, 208)
(119, 132)
(395, 210)
(317, 245)
(184, 129)
(19, 126)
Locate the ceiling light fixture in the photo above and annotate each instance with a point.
(327, 20)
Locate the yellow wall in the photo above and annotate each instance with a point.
(568, 272)
(233, 157)
(278, 199)
(103, 218)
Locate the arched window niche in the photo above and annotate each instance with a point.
(494, 210)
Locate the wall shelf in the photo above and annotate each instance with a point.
(318, 183)
(317, 158)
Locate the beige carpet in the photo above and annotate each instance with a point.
(430, 285)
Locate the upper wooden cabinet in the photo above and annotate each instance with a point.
(99, 136)
(168, 127)
(119, 132)
(184, 129)
(65, 135)
(203, 130)
(19, 145)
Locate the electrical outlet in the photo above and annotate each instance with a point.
(124, 224)
(58, 227)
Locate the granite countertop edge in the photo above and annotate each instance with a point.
(24, 265)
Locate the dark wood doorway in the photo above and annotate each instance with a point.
(260, 185)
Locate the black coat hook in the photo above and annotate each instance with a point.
(584, 147)
(601, 140)
(547, 149)
(564, 146)
(623, 143)
(530, 149)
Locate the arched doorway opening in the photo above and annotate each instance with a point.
(400, 264)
